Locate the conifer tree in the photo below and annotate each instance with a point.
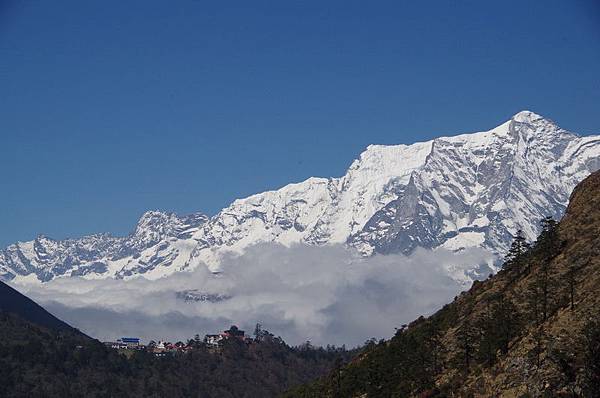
(548, 242)
(258, 332)
(506, 320)
(533, 300)
(542, 299)
(538, 347)
(466, 336)
(516, 257)
(485, 326)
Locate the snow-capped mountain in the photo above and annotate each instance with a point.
(470, 190)
(159, 243)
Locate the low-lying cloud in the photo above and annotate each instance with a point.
(327, 295)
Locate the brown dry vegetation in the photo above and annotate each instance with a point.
(451, 353)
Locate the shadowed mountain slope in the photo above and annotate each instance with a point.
(11, 301)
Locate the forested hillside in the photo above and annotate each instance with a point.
(532, 330)
(42, 362)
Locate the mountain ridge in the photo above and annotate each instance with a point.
(454, 192)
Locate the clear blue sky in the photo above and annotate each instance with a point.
(111, 108)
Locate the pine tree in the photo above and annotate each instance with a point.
(548, 242)
(533, 300)
(487, 331)
(466, 336)
(545, 291)
(541, 299)
(506, 320)
(516, 257)
(547, 246)
(539, 336)
(258, 332)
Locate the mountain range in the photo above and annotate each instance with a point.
(458, 192)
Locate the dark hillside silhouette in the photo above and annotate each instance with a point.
(13, 302)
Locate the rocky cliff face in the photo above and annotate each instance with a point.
(470, 190)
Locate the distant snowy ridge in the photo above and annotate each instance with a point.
(470, 190)
(159, 242)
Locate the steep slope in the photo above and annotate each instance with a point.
(532, 330)
(13, 302)
(470, 190)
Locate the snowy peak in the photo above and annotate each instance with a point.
(381, 162)
(526, 117)
(154, 226)
(453, 192)
(534, 127)
(478, 189)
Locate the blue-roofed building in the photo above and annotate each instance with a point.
(131, 342)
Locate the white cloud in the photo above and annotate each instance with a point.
(324, 294)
